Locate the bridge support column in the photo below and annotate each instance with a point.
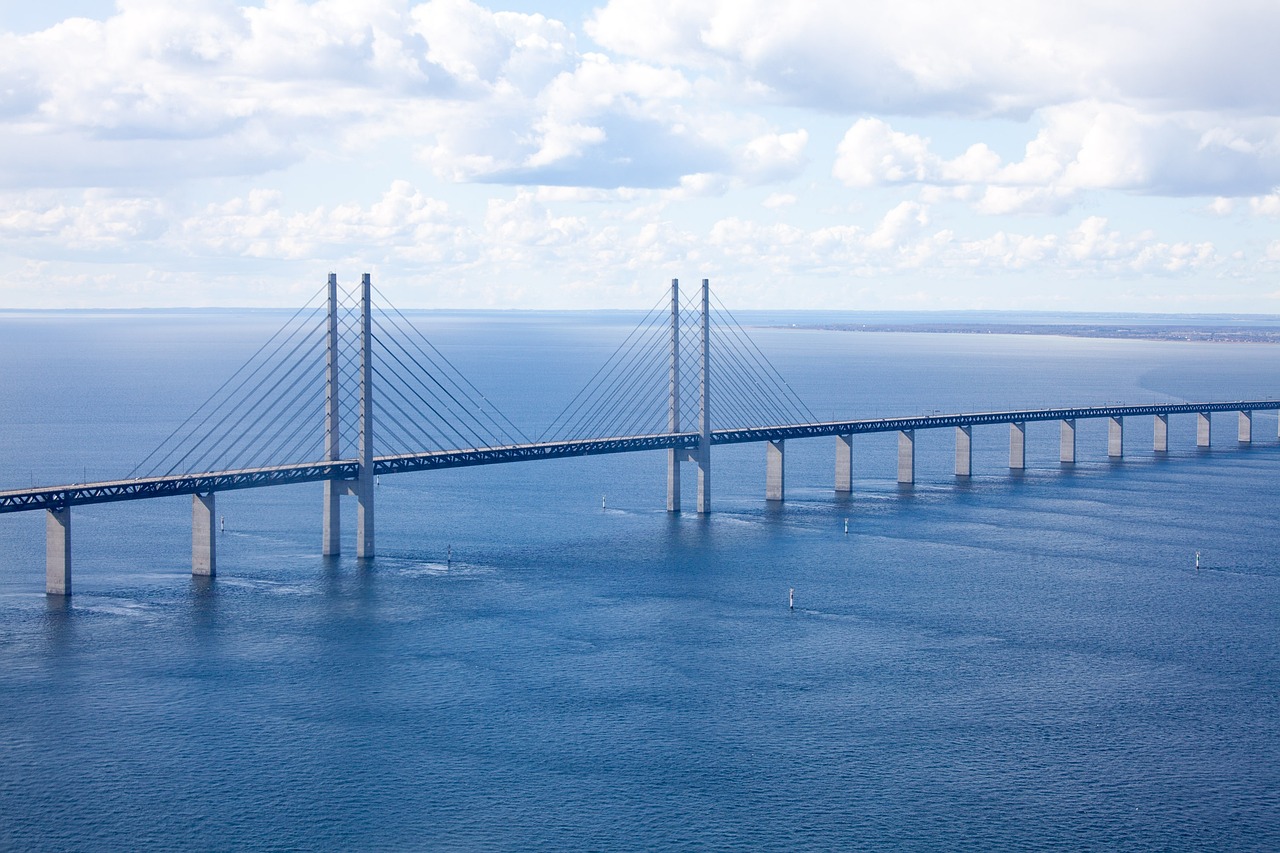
(964, 451)
(1161, 443)
(365, 482)
(673, 479)
(907, 456)
(1204, 427)
(331, 544)
(1244, 432)
(775, 473)
(1115, 437)
(704, 414)
(844, 463)
(1067, 441)
(204, 543)
(1017, 446)
(674, 454)
(57, 555)
(332, 522)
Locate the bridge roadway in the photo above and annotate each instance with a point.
(62, 497)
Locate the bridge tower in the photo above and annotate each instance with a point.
(704, 409)
(363, 486)
(674, 454)
(365, 481)
(332, 430)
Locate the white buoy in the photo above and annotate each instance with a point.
(846, 527)
(791, 598)
(602, 503)
(449, 558)
(1197, 561)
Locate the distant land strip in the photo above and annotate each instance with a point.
(1213, 334)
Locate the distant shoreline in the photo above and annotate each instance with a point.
(1209, 334)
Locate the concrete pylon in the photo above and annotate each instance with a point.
(1017, 446)
(674, 454)
(1067, 441)
(1204, 429)
(964, 451)
(1160, 441)
(1244, 433)
(1115, 437)
(204, 535)
(333, 490)
(57, 557)
(704, 414)
(844, 463)
(775, 471)
(365, 481)
(906, 456)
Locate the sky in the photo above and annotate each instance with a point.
(815, 154)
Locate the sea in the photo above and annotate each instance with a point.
(541, 657)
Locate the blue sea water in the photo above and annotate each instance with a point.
(1017, 661)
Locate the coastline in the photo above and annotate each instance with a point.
(1206, 334)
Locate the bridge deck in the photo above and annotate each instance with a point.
(50, 497)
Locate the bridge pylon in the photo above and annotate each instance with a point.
(333, 489)
(674, 454)
(362, 487)
(365, 482)
(704, 408)
(701, 454)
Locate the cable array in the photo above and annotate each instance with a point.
(269, 412)
(758, 393)
(272, 411)
(627, 395)
(630, 393)
(422, 400)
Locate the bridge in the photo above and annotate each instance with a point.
(310, 392)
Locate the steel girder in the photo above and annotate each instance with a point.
(58, 497)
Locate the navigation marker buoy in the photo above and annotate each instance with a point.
(449, 558)
(791, 598)
(846, 527)
(1197, 561)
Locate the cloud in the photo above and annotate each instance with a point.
(154, 96)
(1082, 146)
(407, 232)
(1267, 205)
(989, 57)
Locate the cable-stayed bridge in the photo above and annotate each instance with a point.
(350, 389)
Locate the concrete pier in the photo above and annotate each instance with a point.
(1204, 426)
(1244, 433)
(331, 520)
(204, 535)
(1161, 442)
(57, 556)
(907, 456)
(844, 463)
(1018, 446)
(775, 474)
(1067, 441)
(1115, 437)
(964, 451)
